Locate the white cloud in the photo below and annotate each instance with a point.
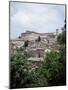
(21, 18)
(36, 17)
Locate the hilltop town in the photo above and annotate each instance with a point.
(38, 43)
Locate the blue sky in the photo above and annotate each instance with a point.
(35, 17)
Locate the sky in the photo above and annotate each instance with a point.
(40, 18)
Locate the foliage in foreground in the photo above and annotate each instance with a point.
(51, 72)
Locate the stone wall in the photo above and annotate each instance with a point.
(47, 40)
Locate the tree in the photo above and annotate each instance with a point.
(39, 38)
(19, 37)
(55, 69)
(62, 38)
(26, 43)
(19, 71)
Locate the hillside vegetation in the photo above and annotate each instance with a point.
(50, 72)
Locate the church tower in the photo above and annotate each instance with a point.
(57, 32)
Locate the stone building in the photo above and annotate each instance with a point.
(47, 41)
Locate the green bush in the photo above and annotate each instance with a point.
(55, 67)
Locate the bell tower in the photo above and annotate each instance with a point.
(57, 32)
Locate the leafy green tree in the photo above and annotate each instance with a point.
(62, 38)
(55, 64)
(19, 73)
(55, 69)
(39, 38)
(38, 79)
(26, 43)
